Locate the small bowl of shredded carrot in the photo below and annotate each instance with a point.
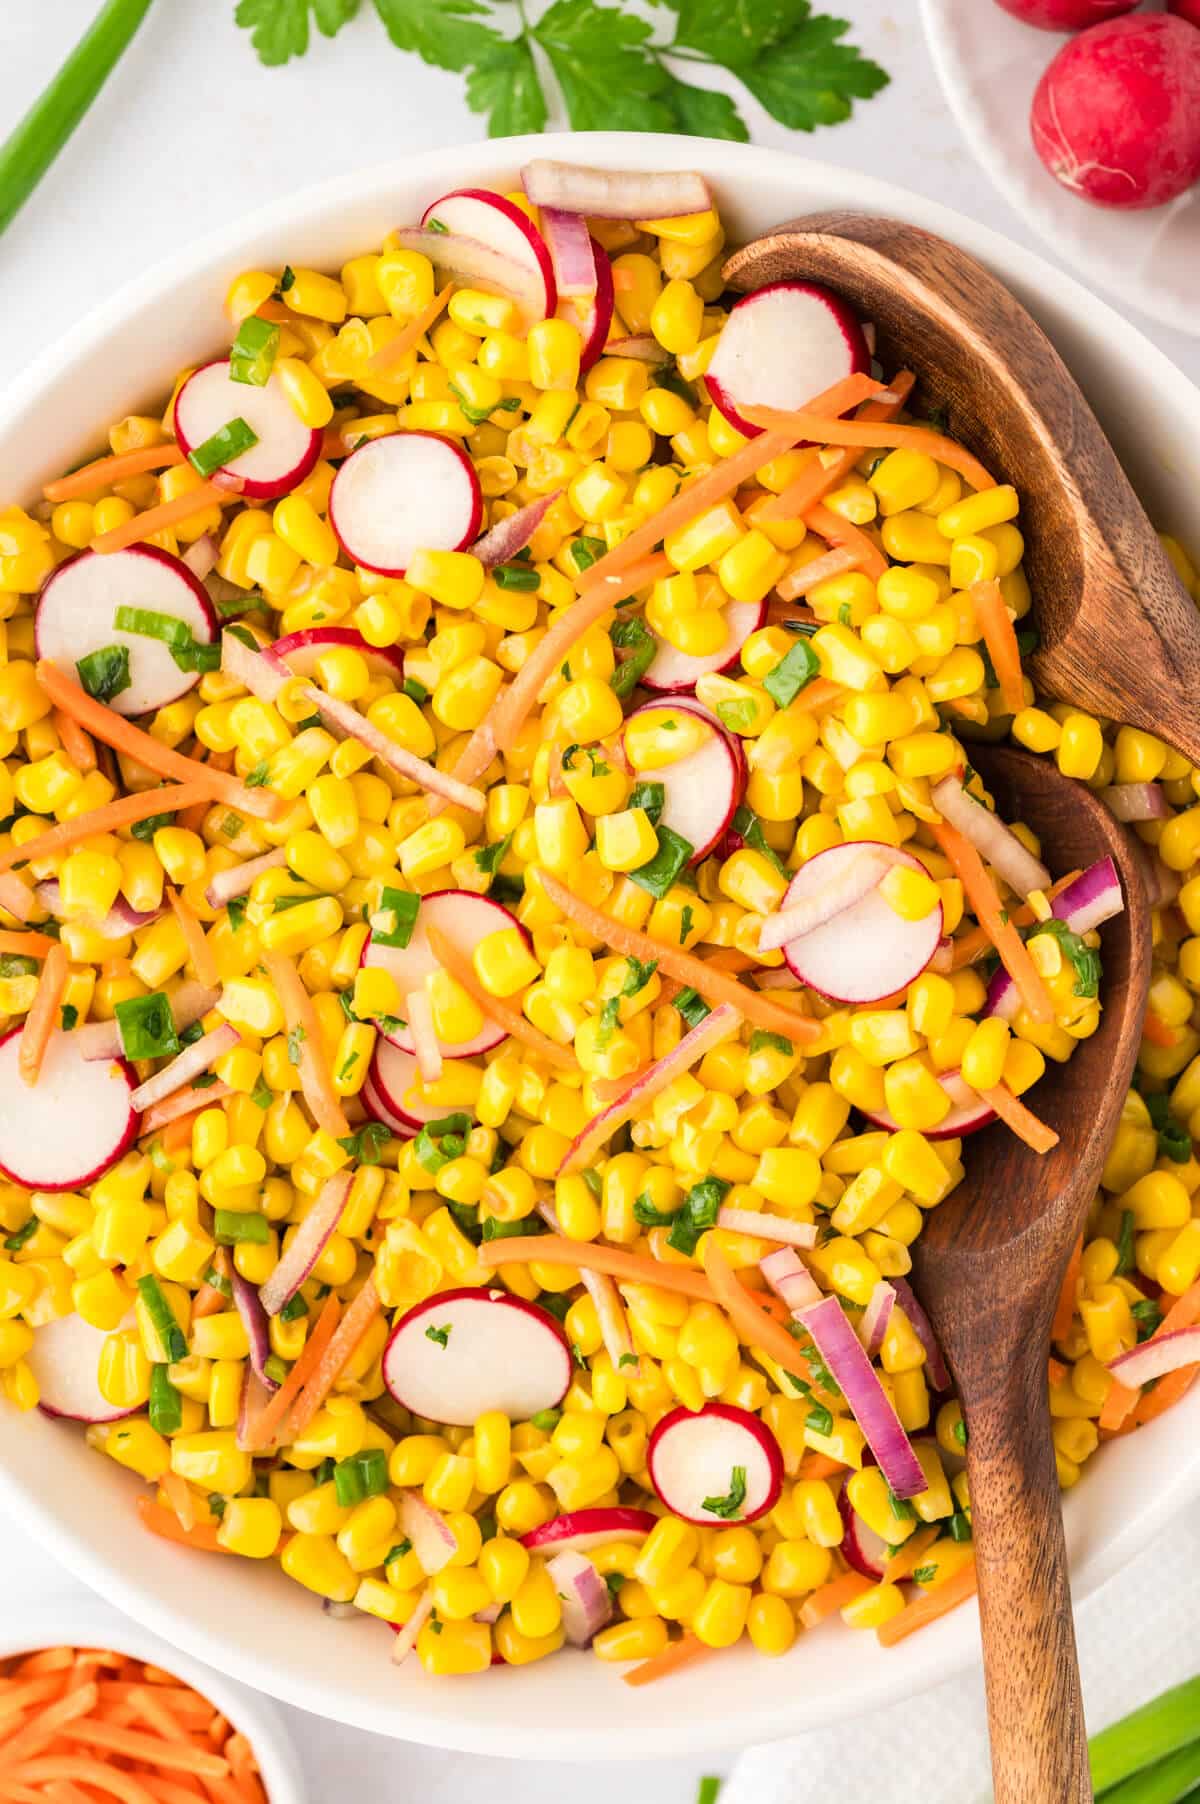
(82, 1719)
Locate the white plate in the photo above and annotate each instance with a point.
(246, 1619)
(989, 65)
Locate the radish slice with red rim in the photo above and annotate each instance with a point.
(782, 345)
(71, 1125)
(593, 318)
(376, 1105)
(300, 652)
(581, 1531)
(968, 1112)
(286, 450)
(719, 1464)
(701, 792)
(466, 919)
(492, 220)
(405, 492)
(65, 1360)
(455, 1356)
(862, 1549)
(77, 608)
(393, 1077)
(675, 672)
(868, 951)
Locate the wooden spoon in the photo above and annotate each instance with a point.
(1119, 635)
(989, 1266)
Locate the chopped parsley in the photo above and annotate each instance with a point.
(729, 1507)
(367, 1143)
(1086, 962)
(439, 1336)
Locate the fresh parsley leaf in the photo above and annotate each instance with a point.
(490, 858)
(701, 1207)
(691, 1006)
(279, 29)
(749, 830)
(439, 1336)
(734, 32)
(809, 79)
(504, 84)
(70, 1015)
(368, 1143)
(924, 1575)
(658, 873)
(685, 923)
(703, 112)
(599, 59)
(1125, 1244)
(651, 798)
(729, 1507)
(449, 34)
(797, 668)
(235, 908)
(105, 673)
(597, 767)
(1085, 961)
(258, 776)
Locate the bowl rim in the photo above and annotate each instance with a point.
(952, 1646)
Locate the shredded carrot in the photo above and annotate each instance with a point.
(843, 535)
(713, 985)
(199, 951)
(177, 1134)
(411, 334)
(1158, 1031)
(164, 1523)
(131, 1745)
(974, 943)
(929, 1606)
(1024, 1123)
(167, 513)
(825, 472)
(95, 1773)
(869, 435)
(208, 1299)
(510, 1019)
(304, 1368)
(187, 1101)
(50, 1659)
(1064, 1313)
(1056, 1371)
(684, 1652)
(350, 1330)
(592, 1256)
(178, 1494)
(827, 1599)
(132, 742)
(106, 819)
(304, 1033)
(19, 1695)
(27, 945)
(44, 1728)
(1183, 1313)
(1000, 637)
(1117, 1407)
(43, 1016)
(904, 1563)
(103, 472)
(833, 563)
(819, 1465)
(982, 894)
(75, 742)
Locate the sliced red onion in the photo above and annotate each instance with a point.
(1093, 898)
(19, 900)
(348, 723)
(586, 1604)
(857, 878)
(1136, 801)
(1156, 1357)
(406, 1637)
(237, 880)
(610, 1312)
(767, 1227)
(202, 1055)
(308, 1243)
(490, 1613)
(935, 1365)
(433, 1540)
(201, 558)
(790, 1280)
(507, 537)
(991, 838)
(418, 1011)
(869, 1403)
(470, 260)
(248, 1303)
(643, 347)
(261, 675)
(616, 193)
(570, 245)
(102, 1039)
(120, 921)
(875, 1318)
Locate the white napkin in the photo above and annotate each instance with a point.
(1138, 1635)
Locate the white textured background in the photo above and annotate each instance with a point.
(190, 131)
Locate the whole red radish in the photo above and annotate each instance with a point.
(1185, 9)
(1065, 15)
(1116, 116)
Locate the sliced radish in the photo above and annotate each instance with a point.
(433, 1539)
(376, 1106)
(72, 1124)
(466, 919)
(862, 1549)
(286, 450)
(704, 790)
(457, 1355)
(868, 951)
(782, 345)
(592, 318)
(402, 493)
(491, 219)
(675, 672)
(720, 1454)
(300, 651)
(65, 1360)
(393, 1076)
(580, 1531)
(968, 1112)
(78, 604)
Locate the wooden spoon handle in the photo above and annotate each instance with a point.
(1035, 1707)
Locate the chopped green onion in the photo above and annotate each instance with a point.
(1159, 1731)
(632, 636)
(254, 351)
(367, 1144)
(760, 1039)
(234, 1227)
(699, 1213)
(361, 1476)
(415, 691)
(1085, 961)
(749, 828)
(105, 673)
(513, 576)
(402, 906)
(546, 1420)
(585, 551)
(162, 1319)
(490, 858)
(23, 1235)
(147, 1027)
(229, 442)
(217, 1281)
(165, 1405)
(507, 1230)
(692, 1006)
(293, 1308)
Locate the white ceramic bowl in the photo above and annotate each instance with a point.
(91, 1623)
(249, 1621)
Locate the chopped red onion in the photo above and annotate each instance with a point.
(1136, 801)
(237, 880)
(419, 1014)
(935, 1365)
(202, 1055)
(102, 1039)
(1156, 1357)
(875, 1317)
(467, 259)
(767, 1227)
(857, 878)
(610, 1312)
(262, 676)
(643, 347)
(201, 558)
(308, 1243)
(248, 1303)
(1086, 903)
(616, 193)
(869, 1403)
(406, 1637)
(991, 838)
(570, 245)
(432, 1538)
(347, 723)
(120, 921)
(790, 1280)
(586, 1604)
(507, 537)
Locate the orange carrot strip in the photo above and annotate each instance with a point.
(24, 1693)
(170, 1791)
(176, 1757)
(1024, 1123)
(842, 557)
(867, 435)
(832, 1597)
(1064, 1313)
(43, 1017)
(822, 692)
(1158, 1031)
(681, 1653)
(177, 1134)
(28, 945)
(819, 1465)
(591, 1256)
(754, 1327)
(1118, 1406)
(903, 1564)
(157, 519)
(713, 985)
(316, 1079)
(398, 347)
(1183, 1313)
(75, 742)
(104, 471)
(824, 473)
(929, 1606)
(208, 1299)
(22, 1794)
(95, 1773)
(61, 1791)
(241, 1757)
(308, 1362)
(187, 1101)
(183, 1704)
(1000, 637)
(510, 1019)
(199, 951)
(350, 1330)
(982, 894)
(105, 819)
(48, 1725)
(1056, 1371)
(50, 1659)
(162, 1522)
(178, 1494)
(124, 737)
(844, 535)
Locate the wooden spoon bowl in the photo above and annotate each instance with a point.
(1119, 635)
